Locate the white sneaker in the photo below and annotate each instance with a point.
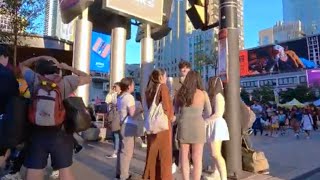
(174, 168)
(54, 175)
(143, 145)
(15, 176)
(112, 156)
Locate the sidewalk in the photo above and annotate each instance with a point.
(288, 157)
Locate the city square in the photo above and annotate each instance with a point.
(159, 89)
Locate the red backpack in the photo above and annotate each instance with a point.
(47, 107)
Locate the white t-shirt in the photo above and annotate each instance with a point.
(125, 101)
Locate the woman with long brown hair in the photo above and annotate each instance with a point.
(190, 104)
(217, 129)
(159, 146)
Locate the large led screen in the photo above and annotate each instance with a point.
(277, 58)
(100, 53)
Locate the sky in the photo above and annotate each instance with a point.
(258, 15)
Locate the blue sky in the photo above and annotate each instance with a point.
(258, 15)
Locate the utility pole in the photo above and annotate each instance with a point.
(229, 54)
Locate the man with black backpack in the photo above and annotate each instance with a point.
(47, 114)
(9, 89)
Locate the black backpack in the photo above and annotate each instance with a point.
(13, 115)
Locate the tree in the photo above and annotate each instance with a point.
(212, 61)
(23, 16)
(245, 96)
(302, 93)
(264, 94)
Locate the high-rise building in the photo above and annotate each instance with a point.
(50, 21)
(281, 32)
(305, 11)
(171, 49)
(184, 42)
(53, 23)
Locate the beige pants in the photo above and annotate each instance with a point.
(126, 148)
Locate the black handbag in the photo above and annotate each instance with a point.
(14, 123)
(78, 118)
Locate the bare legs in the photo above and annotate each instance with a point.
(197, 151)
(218, 160)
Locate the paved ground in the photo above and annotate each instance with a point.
(289, 158)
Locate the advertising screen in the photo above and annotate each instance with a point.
(145, 10)
(277, 58)
(100, 53)
(313, 77)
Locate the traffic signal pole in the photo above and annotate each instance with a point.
(229, 40)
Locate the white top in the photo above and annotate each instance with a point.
(112, 98)
(125, 101)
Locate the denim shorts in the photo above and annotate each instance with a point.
(57, 144)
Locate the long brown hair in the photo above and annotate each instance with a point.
(154, 81)
(125, 83)
(190, 85)
(213, 84)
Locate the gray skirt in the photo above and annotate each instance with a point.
(191, 127)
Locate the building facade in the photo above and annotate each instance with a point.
(281, 81)
(305, 11)
(281, 32)
(184, 42)
(53, 23)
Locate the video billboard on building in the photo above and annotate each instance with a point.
(313, 77)
(276, 58)
(100, 53)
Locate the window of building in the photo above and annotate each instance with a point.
(303, 79)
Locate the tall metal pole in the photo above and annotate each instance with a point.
(81, 51)
(229, 27)
(118, 49)
(146, 58)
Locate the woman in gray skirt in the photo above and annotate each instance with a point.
(192, 100)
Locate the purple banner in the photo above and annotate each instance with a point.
(313, 77)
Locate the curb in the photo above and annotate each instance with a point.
(307, 174)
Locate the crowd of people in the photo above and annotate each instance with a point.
(193, 118)
(190, 117)
(275, 121)
(45, 88)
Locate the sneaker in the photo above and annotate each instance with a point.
(112, 156)
(143, 145)
(264, 172)
(174, 168)
(54, 175)
(77, 149)
(15, 176)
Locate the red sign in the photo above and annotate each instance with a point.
(244, 65)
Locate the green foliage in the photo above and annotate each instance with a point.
(245, 96)
(263, 94)
(302, 93)
(22, 15)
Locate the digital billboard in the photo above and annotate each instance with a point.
(313, 77)
(144, 10)
(100, 53)
(276, 58)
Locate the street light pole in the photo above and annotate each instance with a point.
(230, 36)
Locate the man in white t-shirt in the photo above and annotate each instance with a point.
(256, 108)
